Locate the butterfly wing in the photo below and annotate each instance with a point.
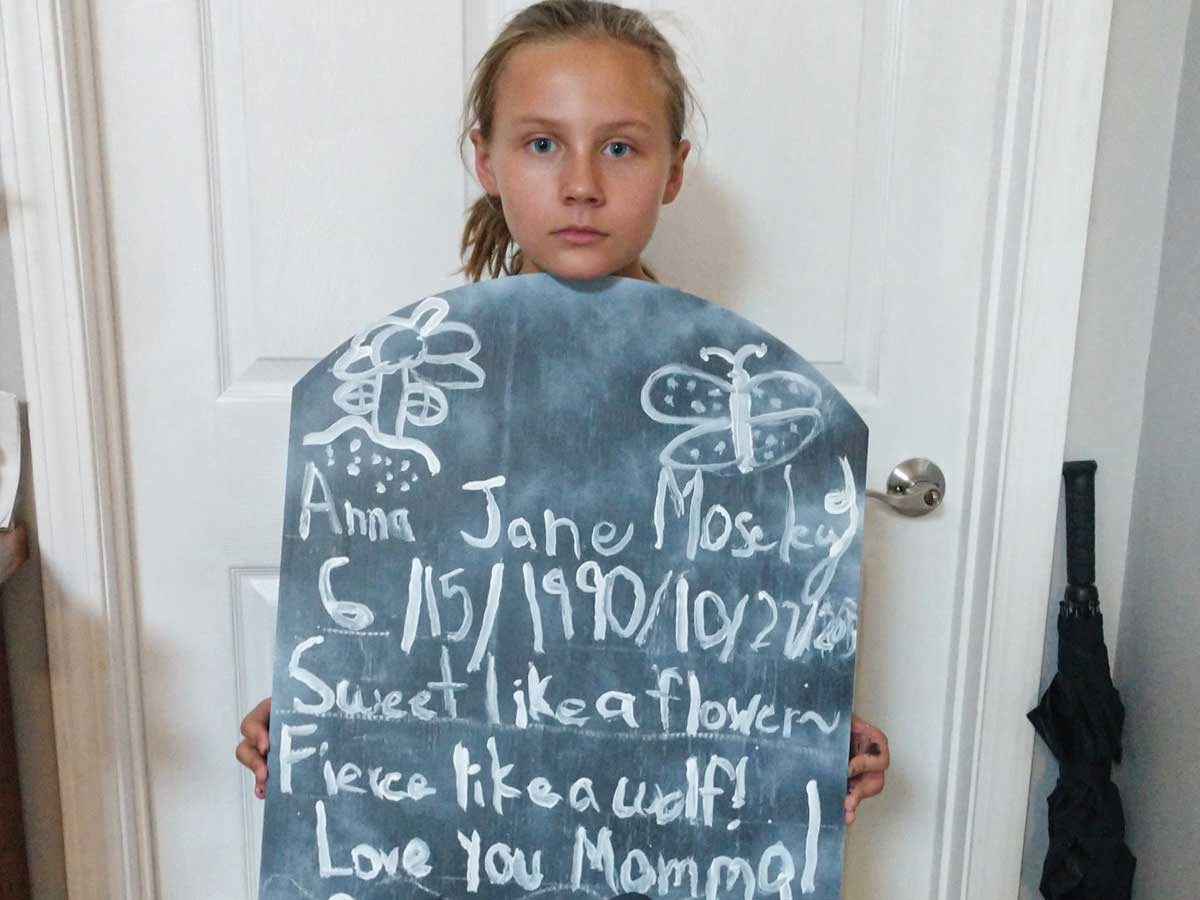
(707, 448)
(785, 415)
(683, 395)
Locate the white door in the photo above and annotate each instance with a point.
(277, 173)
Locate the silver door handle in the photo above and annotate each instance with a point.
(916, 487)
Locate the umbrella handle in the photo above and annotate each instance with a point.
(1079, 477)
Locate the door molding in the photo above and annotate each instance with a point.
(1041, 205)
(58, 222)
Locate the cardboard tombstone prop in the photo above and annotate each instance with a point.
(567, 605)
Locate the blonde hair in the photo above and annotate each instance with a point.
(486, 241)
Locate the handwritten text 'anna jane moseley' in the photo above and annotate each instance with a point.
(646, 596)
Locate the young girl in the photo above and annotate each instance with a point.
(576, 115)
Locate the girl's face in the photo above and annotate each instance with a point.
(580, 155)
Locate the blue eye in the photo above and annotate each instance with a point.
(541, 146)
(619, 149)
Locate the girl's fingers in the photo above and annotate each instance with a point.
(866, 786)
(252, 725)
(879, 742)
(865, 763)
(860, 789)
(851, 805)
(252, 751)
(869, 747)
(263, 713)
(256, 726)
(249, 757)
(867, 766)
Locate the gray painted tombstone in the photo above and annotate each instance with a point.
(567, 605)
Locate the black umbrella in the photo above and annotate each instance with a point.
(1080, 718)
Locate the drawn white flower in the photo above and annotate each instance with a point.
(395, 374)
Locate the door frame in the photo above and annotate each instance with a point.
(50, 149)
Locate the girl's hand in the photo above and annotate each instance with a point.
(869, 758)
(252, 751)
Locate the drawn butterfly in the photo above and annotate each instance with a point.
(739, 423)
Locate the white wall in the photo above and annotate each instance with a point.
(1158, 667)
(1120, 283)
(25, 634)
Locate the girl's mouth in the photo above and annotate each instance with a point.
(579, 235)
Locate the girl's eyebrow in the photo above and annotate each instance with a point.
(540, 121)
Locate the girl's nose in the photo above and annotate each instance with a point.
(581, 182)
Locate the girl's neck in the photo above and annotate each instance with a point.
(635, 270)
